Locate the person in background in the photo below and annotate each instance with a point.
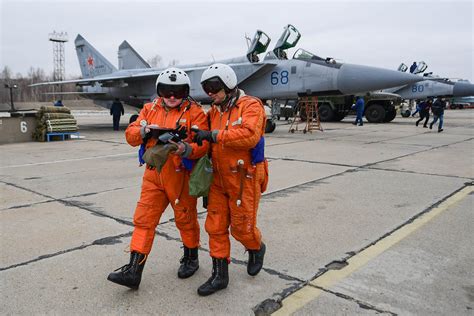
(417, 109)
(413, 67)
(424, 107)
(116, 110)
(438, 113)
(58, 103)
(359, 107)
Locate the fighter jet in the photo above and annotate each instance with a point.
(273, 77)
(432, 86)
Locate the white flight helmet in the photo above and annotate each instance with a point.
(173, 77)
(222, 71)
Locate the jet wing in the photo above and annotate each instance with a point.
(243, 70)
(247, 71)
(102, 79)
(76, 93)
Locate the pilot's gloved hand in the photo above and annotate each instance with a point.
(202, 135)
(184, 149)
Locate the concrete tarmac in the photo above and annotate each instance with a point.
(357, 220)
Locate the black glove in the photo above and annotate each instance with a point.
(201, 135)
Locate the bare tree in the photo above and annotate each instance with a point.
(156, 61)
(173, 62)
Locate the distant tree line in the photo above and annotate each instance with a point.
(24, 93)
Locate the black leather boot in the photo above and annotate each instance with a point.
(218, 280)
(130, 274)
(189, 263)
(255, 263)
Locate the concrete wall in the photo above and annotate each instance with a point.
(17, 128)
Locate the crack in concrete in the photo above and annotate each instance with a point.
(102, 241)
(363, 305)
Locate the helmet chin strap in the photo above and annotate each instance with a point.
(230, 99)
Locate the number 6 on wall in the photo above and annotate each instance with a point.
(23, 127)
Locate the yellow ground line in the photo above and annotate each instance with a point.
(308, 293)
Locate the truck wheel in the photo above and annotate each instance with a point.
(390, 115)
(461, 106)
(338, 116)
(270, 126)
(326, 113)
(375, 113)
(133, 118)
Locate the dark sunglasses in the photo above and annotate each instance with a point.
(178, 91)
(212, 85)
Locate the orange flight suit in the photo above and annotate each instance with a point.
(239, 132)
(171, 185)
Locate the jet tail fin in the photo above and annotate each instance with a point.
(128, 58)
(92, 62)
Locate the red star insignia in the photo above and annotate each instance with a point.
(90, 61)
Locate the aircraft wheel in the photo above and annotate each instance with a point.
(375, 113)
(406, 113)
(133, 118)
(270, 126)
(292, 131)
(304, 131)
(461, 106)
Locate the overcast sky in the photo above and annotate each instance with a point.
(375, 33)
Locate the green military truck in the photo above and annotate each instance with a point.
(380, 107)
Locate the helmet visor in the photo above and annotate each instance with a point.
(177, 91)
(213, 85)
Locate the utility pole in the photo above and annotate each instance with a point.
(11, 87)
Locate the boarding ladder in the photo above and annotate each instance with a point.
(310, 107)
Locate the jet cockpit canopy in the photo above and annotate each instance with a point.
(303, 54)
(402, 67)
(288, 39)
(421, 67)
(259, 45)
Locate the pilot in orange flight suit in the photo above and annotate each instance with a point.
(237, 125)
(170, 185)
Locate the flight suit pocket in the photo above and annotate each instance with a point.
(241, 226)
(183, 219)
(215, 223)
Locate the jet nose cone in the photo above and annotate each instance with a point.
(463, 89)
(356, 78)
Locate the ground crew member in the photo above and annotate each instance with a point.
(359, 107)
(171, 109)
(237, 125)
(438, 113)
(116, 110)
(425, 107)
